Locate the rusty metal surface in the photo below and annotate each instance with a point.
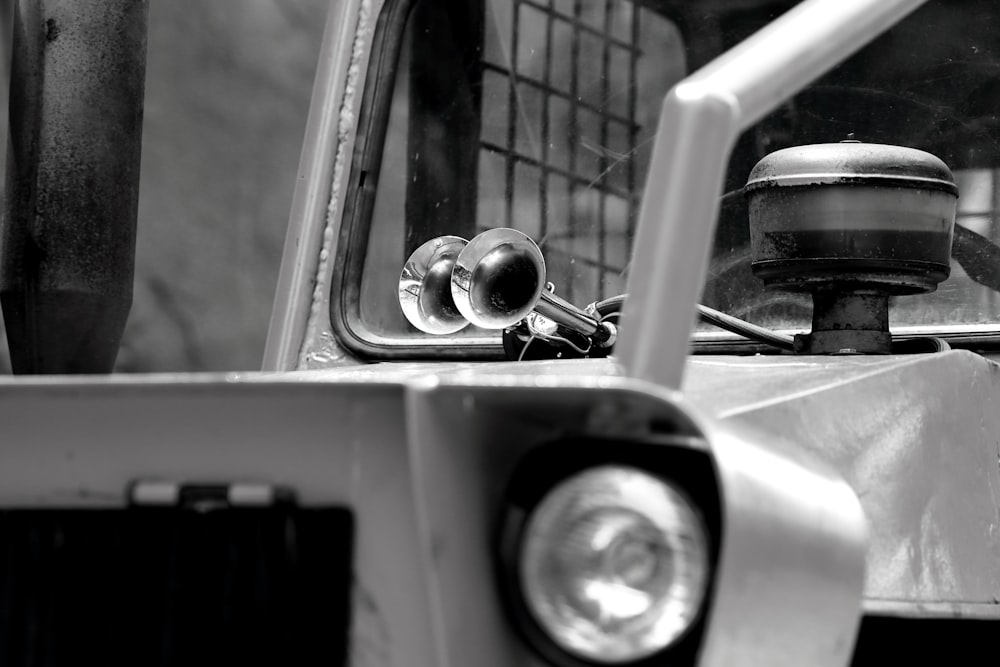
(72, 181)
(916, 437)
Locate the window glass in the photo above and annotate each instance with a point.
(545, 128)
(539, 115)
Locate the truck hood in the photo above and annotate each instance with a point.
(914, 435)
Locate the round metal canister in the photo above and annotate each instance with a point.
(851, 212)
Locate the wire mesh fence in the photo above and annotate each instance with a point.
(561, 129)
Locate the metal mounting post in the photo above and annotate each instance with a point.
(68, 238)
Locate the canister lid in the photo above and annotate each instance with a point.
(851, 163)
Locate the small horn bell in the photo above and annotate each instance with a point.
(425, 286)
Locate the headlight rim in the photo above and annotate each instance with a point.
(686, 469)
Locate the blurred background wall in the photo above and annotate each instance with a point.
(228, 84)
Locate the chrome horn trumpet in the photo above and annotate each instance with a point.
(425, 286)
(494, 281)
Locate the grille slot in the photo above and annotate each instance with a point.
(147, 586)
(888, 640)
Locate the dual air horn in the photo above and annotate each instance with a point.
(494, 281)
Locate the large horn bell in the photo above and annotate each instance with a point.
(498, 278)
(425, 286)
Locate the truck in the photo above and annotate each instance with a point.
(444, 460)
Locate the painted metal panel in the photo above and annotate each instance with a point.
(80, 443)
(917, 437)
(790, 576)
(466, 441)
(421, 455)
(793, 563)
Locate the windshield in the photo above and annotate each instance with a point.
(539, 115)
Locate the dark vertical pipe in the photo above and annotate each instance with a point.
(68, 238)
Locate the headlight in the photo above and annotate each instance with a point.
(614, 564)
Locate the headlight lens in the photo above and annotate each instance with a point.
(614, 564)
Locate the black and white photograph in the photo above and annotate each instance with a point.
(499, 333)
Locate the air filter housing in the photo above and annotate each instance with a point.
(852, 223)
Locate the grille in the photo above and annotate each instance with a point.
(887, 640)
(174, 587)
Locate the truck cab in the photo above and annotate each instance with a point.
(498, 421)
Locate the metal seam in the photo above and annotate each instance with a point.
(347, 119)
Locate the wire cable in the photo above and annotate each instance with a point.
(612, 306)
(744, 328)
